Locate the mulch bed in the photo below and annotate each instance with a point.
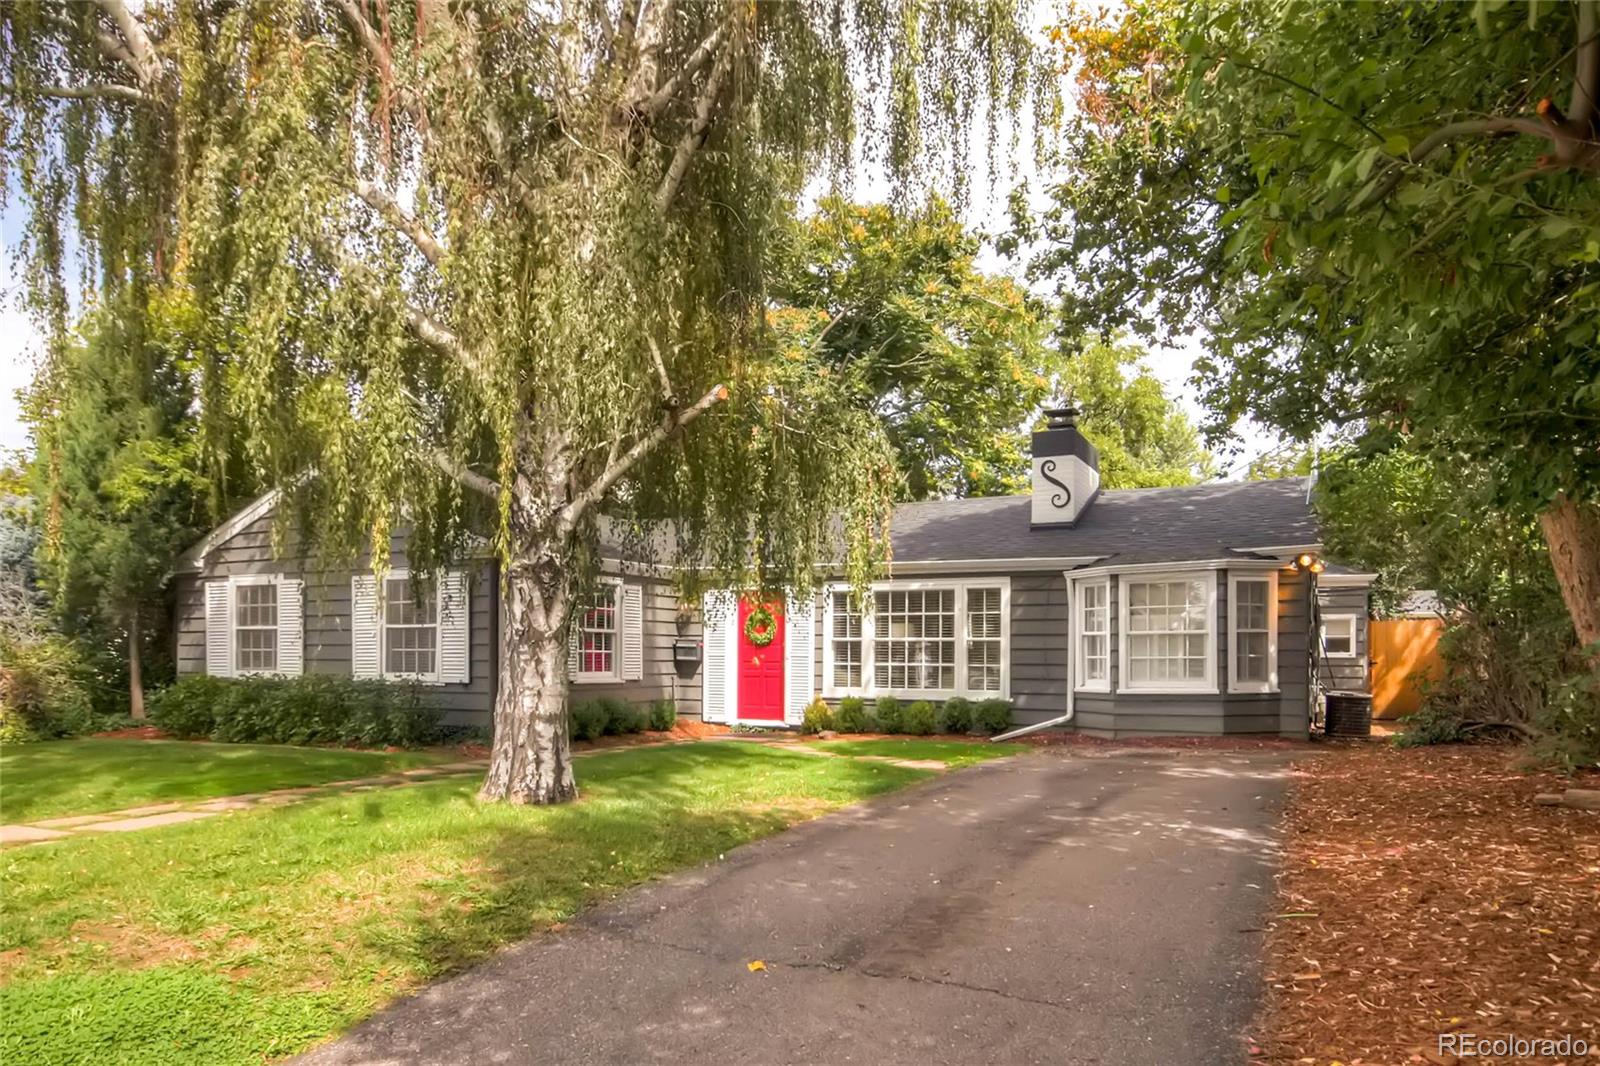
(1057, 739)
(136, 732)
(1423, 892)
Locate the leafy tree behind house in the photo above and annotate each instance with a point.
(117, 480)
(504, 257)
(1385, 216)
(1144, 438)
(953, 361)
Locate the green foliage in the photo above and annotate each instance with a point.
(14, 728)
(953, 360)
(851, 716)
(818, 717)
(955, 715)
(1285, 179)
(1433, 724)
(587, 719)
(309, 709)
(663, 715)
(886, 715)
(1569, 725)
(621, 716)
(920, 719)
(41, 695)
(991, 716)
(1144, 438)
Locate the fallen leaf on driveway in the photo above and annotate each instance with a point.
(754, 965)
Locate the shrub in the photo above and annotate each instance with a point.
(955, 716)
(41, 690)
(310, 709)
(920, 719)
(992, 716)
(624, 717)
(13, 729)
(886, 710)
(587, 719)
(851, 717)
(819, 716)
(663, 715)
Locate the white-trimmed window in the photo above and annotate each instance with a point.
(255, 626)
(1168, 633)
(410, 630)
(921, 639)
(1253, 632)
(1339, 636)
(597, 632)
(1094, 636)
(844, 641)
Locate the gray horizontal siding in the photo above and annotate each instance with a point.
(1346, 675)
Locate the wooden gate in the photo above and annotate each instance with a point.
(1404, 652)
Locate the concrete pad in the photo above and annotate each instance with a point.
(27, 834)
(139, 812)
(229, 803)
(149, 821)
(74, 821)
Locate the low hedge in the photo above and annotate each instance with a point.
(852, 717)
(955, 715)
(919, 719)
(886, 715)
(818, 717)
(991, 716)
(663, 715)
(610, 716)
(310, 709)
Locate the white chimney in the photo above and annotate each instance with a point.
(1066, 470)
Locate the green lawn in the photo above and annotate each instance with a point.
(255, 934)
(92, 775)
(949, 752)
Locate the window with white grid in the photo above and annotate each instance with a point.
(410, 630)
(914, 640)
(983, 639)
(1252, 632)
(255, 628)
(845, 641)
(1094, 635)
(1168, 642)
(597, 635)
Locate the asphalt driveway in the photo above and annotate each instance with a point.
(1049, 908)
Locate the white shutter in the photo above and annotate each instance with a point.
(799, 648)
(219, 629)
(632, 633)
(366, 628)
(717, 679)
(455, 628)
(291, 627)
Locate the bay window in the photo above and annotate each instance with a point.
(1168, 633)
(1094, 636)
(933, 639)
(1253, 632)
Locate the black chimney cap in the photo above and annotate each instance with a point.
(1061, 418)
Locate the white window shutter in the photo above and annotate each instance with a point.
(455, 617)
(219, 629)
(799, 649)
(717, 623)
(291, 627)
(366, 628)
(632, 632)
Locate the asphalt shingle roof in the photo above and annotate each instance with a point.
(1122, 525)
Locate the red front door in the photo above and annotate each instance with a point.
(760, 669)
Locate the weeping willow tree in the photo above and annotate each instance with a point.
(497, 266)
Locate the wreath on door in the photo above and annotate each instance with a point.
(760, 628)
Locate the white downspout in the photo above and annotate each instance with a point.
(1071, 701)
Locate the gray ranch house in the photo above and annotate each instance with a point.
(1200, 610)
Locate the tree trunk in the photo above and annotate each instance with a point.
(135, 672)
(532, 756)
(1572, 531)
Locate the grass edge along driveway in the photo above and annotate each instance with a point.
(255, 935)
(95, 774)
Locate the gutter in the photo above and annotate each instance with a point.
(1025, 730)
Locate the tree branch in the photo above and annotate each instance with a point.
(381, 55)
(125, 93)
(668, 396)
(466, 476)
(643, 446)
(402, 220)
(653, 107)
(1380, 187)
(1584, 105)
(145, 63)
(110, 46)
(695, 136)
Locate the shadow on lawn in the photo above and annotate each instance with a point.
(637, 820)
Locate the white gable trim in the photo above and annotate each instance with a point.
(194, 558)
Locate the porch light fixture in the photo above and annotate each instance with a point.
(1308, 562)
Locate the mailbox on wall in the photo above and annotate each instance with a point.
(686, 653)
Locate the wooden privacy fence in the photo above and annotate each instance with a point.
(1404, 652)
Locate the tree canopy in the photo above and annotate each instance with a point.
(499, 259)
(1378, 215)
(952, 361)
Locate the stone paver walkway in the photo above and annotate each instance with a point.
(155, 815)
